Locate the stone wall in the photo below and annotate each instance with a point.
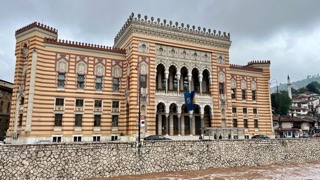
(84, 160)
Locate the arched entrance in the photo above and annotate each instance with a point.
(205, 82)
(197, 117)
(160, 79)
(207, 116)
(161, 120)
(174, 119)
(186, 124)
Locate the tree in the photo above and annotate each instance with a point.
(313, 87)
(280, 103)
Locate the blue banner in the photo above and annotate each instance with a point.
(188, 101)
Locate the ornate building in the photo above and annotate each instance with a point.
(5, 103)
(71, 91)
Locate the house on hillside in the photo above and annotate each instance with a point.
(305, 104)
(293, 126)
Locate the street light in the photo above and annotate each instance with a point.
(139, 113)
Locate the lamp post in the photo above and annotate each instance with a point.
(139, 113)
(139, 121)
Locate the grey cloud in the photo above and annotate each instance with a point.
(255, 26)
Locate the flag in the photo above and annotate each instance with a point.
(193, 97)
(188, 100)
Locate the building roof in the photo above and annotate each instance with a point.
(293, 119)
(37, 25)
(5, 85)
(172, 30)
(298, 108)
(83, 45)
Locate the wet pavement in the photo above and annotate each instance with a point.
(299, 171)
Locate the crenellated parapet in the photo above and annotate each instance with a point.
(164, 28)
(259, 62)
(38, 25)
(84, 45)
(246, 68)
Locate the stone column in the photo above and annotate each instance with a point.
(192, 124)
(159, 124)
(200, 83)
(159, 80)
(166, 74)
(16, 117)
(178, 83)
(182, 125)
(31, 90)
(202, 124)
(190, 81)
(171, 125)
(170, 81)
(179, 124)
(167, 123)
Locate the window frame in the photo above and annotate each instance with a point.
(235, 123)
(115, 103)
(256, 123)
(245, 123)
(56, 139)
(78, 120)
(221, 88)
(115, 123)
(80, 83)
(97, 121)
(143, 84)
(20, 119)
(61, 100)
(98, 83)
(61, 82)
(77, 104)
(58, 119)
(95, 103)
(96, 138)
(254, 95)
(115, 86)
(245, 110)
(77, 138)
(243, 94)
(233, 93)
(234, 108)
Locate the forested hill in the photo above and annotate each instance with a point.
(296, 84)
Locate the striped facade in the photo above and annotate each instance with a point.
(70, 91)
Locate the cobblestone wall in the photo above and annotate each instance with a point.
(78, 161)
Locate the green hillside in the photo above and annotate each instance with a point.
(297, 84)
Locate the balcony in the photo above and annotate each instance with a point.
(115, 110)
(59, 108)
(97, 109)
(79, 109)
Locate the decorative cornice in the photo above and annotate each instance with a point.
(38, 25)
(84, 45)
(171, 31)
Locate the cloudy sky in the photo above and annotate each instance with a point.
(287, 32)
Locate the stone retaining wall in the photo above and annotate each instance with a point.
(85, 160)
